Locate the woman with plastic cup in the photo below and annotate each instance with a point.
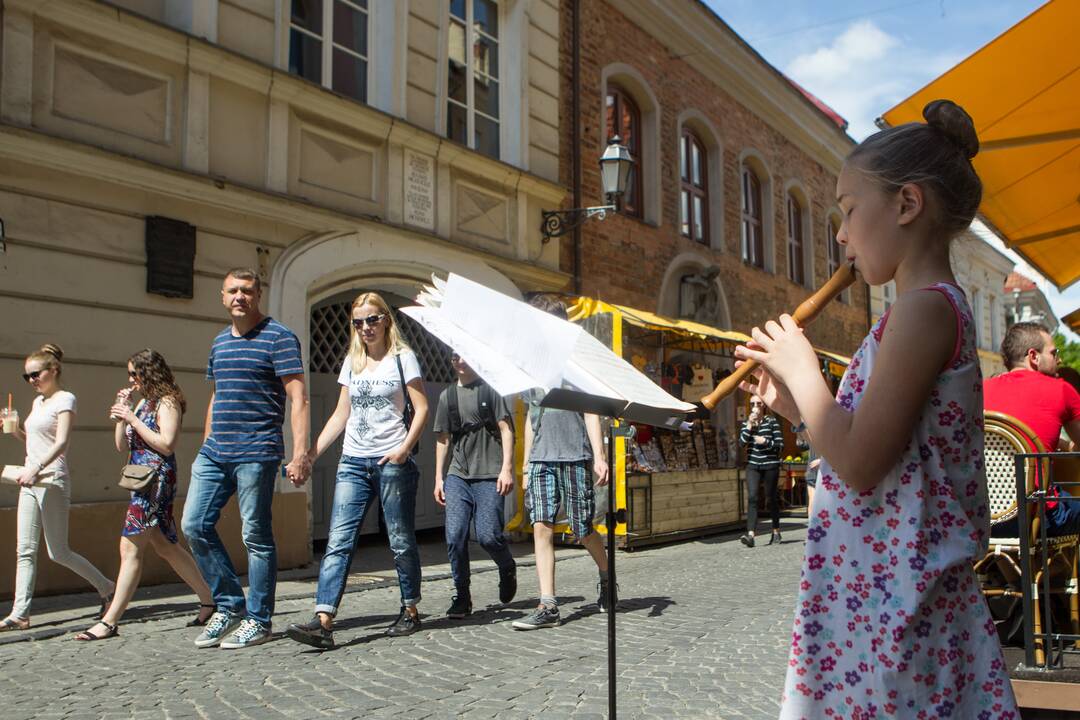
(45, 492)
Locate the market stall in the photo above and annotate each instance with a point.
(674, 484)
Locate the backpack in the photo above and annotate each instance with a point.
(488, 400)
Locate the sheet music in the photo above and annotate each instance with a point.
(516, 348)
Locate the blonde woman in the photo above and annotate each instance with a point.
(147, 434)
(380, 379)
(45, 495)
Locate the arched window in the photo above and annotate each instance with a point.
(753, 237)
(796, 253)
(624, 120)
(835, 252)
(695, 187)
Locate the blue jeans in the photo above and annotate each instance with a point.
(359, 480)
(212, 484)
(468, 501)
(1062, 519)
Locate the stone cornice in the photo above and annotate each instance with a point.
(73, 158)
(690, 31)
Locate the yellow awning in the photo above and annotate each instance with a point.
(1073, 320)
(1023, 91)
(585, 307)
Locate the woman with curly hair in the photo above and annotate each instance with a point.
(148, 433)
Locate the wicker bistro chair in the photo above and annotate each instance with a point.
(1005, 436)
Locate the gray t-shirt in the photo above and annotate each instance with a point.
(558, 435)
(477, 454)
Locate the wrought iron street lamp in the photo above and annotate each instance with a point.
(615, 166)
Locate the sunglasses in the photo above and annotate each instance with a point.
(370, 320)
(32, 376)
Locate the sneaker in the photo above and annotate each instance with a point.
(251, 632)
(507, 585)
(747, 539)
(775, 539)
(460, 606)
(220, 624)
(311, 633)
(542, 617)
(405, 624)
(602, 599)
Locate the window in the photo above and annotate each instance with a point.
(835, 253)
(695, 188)
(796, 253)
(995, 322)
(977, 317)
(472, 112)
(753, 237)
(328, 44)
(888, 294)
(624, 120)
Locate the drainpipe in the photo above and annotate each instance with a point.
(575, 130)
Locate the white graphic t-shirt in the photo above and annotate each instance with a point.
(376, 421)
(41, 425)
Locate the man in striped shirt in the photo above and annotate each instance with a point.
(255, 364)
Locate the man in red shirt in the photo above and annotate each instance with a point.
(1031, 392)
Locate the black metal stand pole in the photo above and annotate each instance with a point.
(609, 521)
(613, 518)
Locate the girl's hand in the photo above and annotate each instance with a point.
(121, 412)
(397, 456)
(783, 350)
(773, 392)
(29, 476)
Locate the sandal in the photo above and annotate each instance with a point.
(10, 623)
(200, 620)
(86, 635)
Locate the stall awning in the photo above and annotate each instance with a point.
(1073, 320)
(1023, 91)
(586, 307)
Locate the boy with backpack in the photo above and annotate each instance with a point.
(473, 423)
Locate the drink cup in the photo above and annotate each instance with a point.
(10, 420)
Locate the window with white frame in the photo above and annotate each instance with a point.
(977, 317)
(888, 294)
(472, 103)
(996, 316)
(328, 44)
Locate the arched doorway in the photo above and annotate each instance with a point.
(312, 288)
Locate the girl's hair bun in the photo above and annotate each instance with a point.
(954, 122)
(52, 349)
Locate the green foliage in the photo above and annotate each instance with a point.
(1068, 351)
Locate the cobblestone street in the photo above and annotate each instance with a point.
(702, 633)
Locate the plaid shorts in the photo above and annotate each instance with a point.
(568, 483)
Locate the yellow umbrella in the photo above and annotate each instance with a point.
(1073, 320)
(1023, 91)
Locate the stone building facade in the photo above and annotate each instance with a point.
(334, 145)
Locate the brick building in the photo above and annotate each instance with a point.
(714, 128)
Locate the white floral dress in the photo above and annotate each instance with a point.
(890, 621)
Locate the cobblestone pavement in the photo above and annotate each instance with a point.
(703, 632)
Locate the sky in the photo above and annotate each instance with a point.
(863, 57)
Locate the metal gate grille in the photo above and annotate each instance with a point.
(330, 343)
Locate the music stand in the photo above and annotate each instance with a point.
(620, 411)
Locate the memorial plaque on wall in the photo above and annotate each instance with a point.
(419, 196)
(170, 257)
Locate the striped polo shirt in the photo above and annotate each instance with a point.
(249, 397)
(768, 453)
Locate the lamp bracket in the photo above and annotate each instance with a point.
(557, 223)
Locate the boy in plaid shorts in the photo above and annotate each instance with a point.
(560, 447)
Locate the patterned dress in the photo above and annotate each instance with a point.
(890, 621)
(153, 508)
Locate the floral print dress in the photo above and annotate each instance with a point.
(153, 508)
(890, 621)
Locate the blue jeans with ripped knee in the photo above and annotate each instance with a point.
(359, 482)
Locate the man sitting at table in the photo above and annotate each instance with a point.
(1032, 393)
